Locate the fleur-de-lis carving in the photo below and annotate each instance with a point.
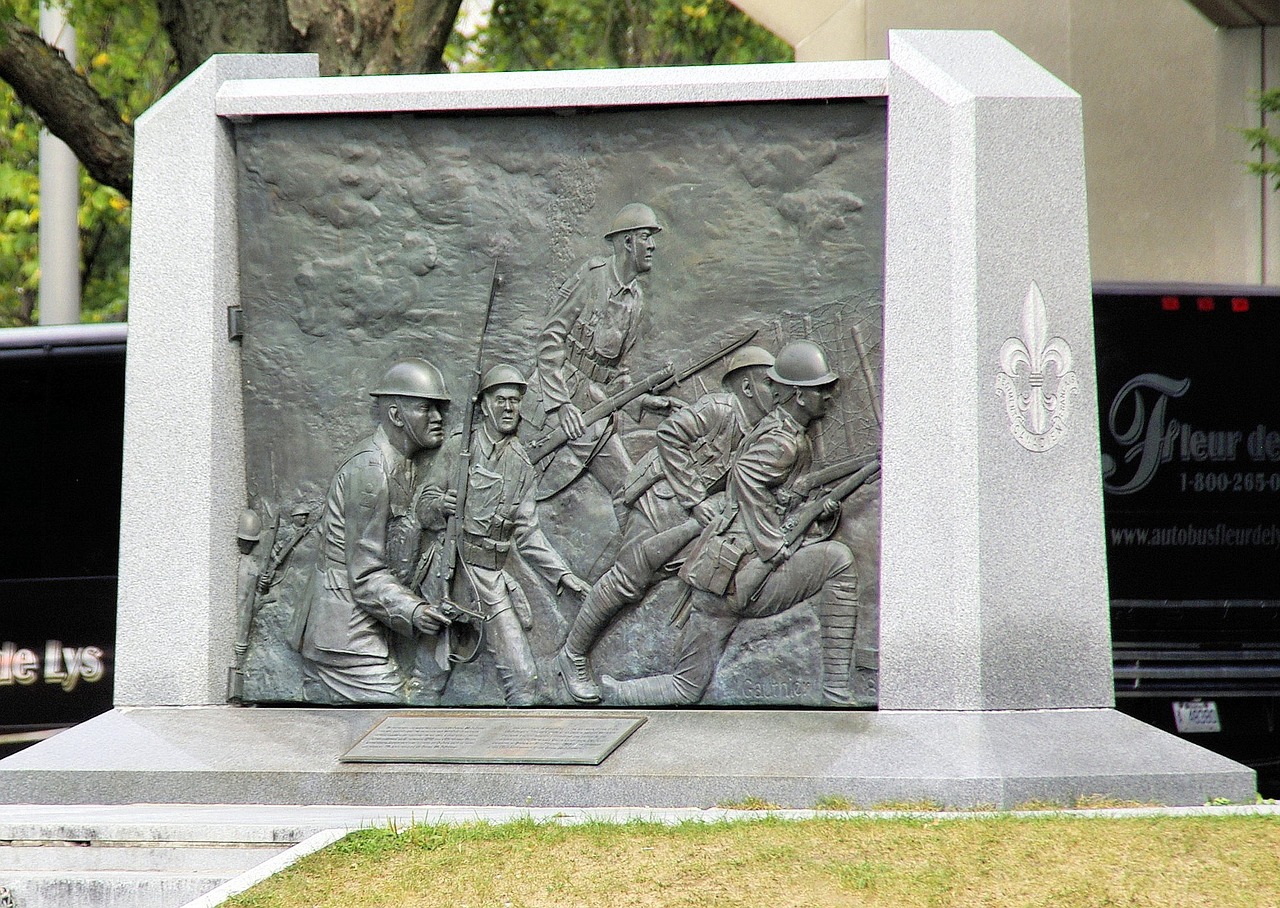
(1036, 378)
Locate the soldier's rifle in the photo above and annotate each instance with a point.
(447, 562)
(816, 478)
(546, 444)
(795, 526)
(277, 559)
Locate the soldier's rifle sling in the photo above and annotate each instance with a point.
(548, 443)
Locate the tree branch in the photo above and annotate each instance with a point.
(45, 82)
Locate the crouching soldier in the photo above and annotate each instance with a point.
(674, 491)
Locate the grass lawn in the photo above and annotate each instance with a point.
(1051, 859)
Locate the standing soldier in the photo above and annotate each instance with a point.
(288, 535)
(595, 322)
(676, 490)
(741, 565)
(248, 538)
(500, 514)
(369, 539)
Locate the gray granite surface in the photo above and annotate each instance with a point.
(678, 758)
(993, 567)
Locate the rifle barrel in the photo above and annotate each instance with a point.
(548, 443)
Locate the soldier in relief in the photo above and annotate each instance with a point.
(742, 567)
(499, 519)
(673, 493)
(360, 592)
(596, 319)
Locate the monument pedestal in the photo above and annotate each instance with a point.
(677, 758)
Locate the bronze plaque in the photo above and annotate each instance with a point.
(561, 410)
(475, 738)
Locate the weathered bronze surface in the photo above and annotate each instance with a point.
(654, 477)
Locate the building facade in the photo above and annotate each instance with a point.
(1166, 84)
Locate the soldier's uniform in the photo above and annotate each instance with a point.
(501, 515)
(357, 595)
(735, 572)
(581, 357)
(688, 465)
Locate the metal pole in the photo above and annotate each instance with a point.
(59, 199)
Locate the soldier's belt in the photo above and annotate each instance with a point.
(600, 369)
(483, 552)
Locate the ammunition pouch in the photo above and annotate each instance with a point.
(599, 369)
(483, 552)
(713, 564)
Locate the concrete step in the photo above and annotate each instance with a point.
(107, 889)
(134, 856)
(57, 873)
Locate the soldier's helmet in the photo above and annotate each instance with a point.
(249, 526)
(412, 378)
(301, 509)
(634, 216)
(801, 364)
(501, 374)
(748, 356)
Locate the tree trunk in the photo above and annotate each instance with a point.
(355, 37)
(352, 37)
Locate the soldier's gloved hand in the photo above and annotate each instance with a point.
(428, 621)
(660, 403)
(435, 505)
(573, 582)
(830, 508)
(262, 585)
(571, 421)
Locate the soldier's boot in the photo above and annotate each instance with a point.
(575, 672)
(838, 617)
(607, 597)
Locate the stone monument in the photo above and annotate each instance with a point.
(560, 397)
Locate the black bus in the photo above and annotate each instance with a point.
(62, 414)
(1189, 406)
